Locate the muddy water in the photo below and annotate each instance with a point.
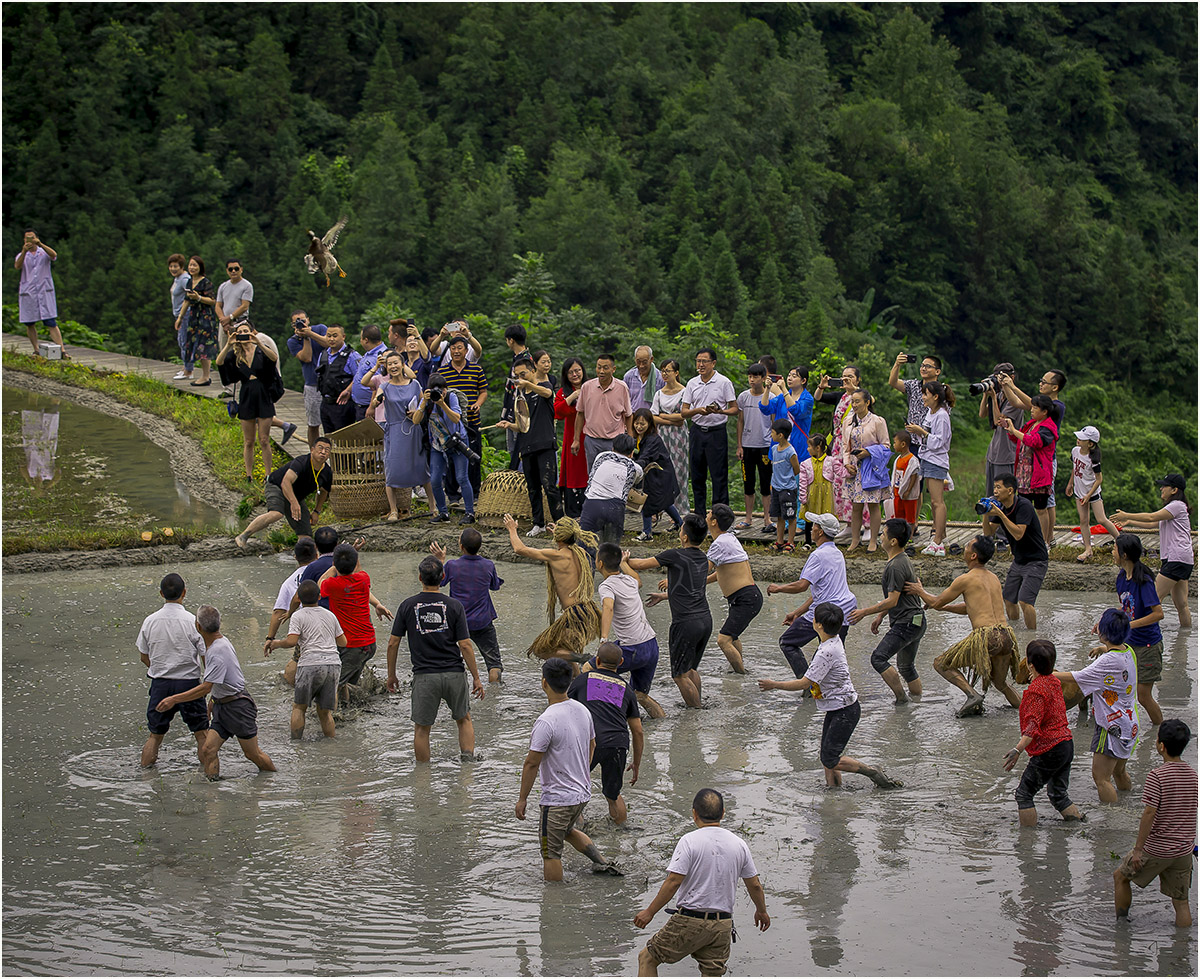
(351, 858)
(66, 462)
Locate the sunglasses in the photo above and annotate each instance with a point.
(233, 268)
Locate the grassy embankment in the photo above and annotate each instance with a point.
(204, 419)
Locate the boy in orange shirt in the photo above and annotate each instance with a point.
(906, 482)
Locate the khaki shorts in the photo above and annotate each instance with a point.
(1149, 662)
(554, 825)
(1174, 873)
(707, 941)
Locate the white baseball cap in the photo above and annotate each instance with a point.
(1089, 432)
(826, 521)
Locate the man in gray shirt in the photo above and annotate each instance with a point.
(995, 407)
(234, 297)
(234, 713)
(171, 649)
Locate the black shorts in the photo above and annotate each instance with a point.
(755, 461)
(744, 605)
(354, 661)
(686, 641)
(488, 645)
(1039, 500)
(612, 770)
(236, 719)
(1176, 570)
(193, 712)
(835, 732)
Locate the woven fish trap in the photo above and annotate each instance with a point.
(358, 483)
(504, 492)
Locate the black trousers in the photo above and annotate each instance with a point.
(708, 452)
(541, 473)
(335, 416)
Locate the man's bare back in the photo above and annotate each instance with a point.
(565, 571)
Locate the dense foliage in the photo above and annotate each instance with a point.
(990, 182)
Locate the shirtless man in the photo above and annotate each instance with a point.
(570, 584)
(990, 651)
(730, 568)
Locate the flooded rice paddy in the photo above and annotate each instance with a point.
(67, 463)
(353, 859)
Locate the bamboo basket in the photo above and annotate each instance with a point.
(504, 492)
(357, 463)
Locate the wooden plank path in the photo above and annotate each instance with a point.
(289, 409)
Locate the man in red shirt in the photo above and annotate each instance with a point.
(1046, 736)
(348, 589)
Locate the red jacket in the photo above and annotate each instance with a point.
(1043, 455)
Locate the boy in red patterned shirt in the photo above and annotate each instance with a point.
(1166, 836)
(1046, 736)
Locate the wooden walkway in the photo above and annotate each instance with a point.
(289, 409)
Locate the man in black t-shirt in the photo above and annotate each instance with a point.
(613, 706)
(537, 447)
(906, 617)
(439, 643)
(1030, 558)
(287, 488)
(685, 589)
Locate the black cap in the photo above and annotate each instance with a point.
(1174, 480)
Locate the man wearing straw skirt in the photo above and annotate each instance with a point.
(570, 581)
(990, 651)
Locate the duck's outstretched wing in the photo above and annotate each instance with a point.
(331, 236)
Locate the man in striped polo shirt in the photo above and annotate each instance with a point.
(470, 383)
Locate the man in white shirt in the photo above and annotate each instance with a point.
(708, 400)
(623, 618)
(234, 297)
(561, 748)
(704, 870)
(170, 646)
(611, 476)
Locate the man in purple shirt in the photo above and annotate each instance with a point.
(825, 573)
(472, 579)
(643, 379)
(36, 301)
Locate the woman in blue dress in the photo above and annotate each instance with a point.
(405, 461)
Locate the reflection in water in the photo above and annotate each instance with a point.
(39, 437)
(353, 859)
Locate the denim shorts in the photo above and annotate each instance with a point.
(931, 471)
(835, 732)
(902, 641)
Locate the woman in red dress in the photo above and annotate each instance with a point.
(572, 468)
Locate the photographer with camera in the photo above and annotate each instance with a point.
(1030, 559)
(441, 348)
(1050, 384)
(448, 445)
(995, 406)
(251, 359)
(305, 344)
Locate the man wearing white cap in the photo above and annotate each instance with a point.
(825, 573)
(1084, 487)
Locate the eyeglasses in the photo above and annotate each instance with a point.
(929, 367)
(701, 363)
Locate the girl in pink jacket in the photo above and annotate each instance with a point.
(1036, 442)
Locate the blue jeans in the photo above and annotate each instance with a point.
(437, 474)
(670, 512)
(181, 336)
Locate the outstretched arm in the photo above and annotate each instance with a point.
(519, 547)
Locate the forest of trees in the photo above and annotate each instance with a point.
(987, 181)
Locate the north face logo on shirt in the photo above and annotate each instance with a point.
(431, 618)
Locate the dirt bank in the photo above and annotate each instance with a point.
(934, 572)
(187, 460)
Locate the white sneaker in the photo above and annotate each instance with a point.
(419, 493)
(181, 376)
(536, 531)
(935, 550)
